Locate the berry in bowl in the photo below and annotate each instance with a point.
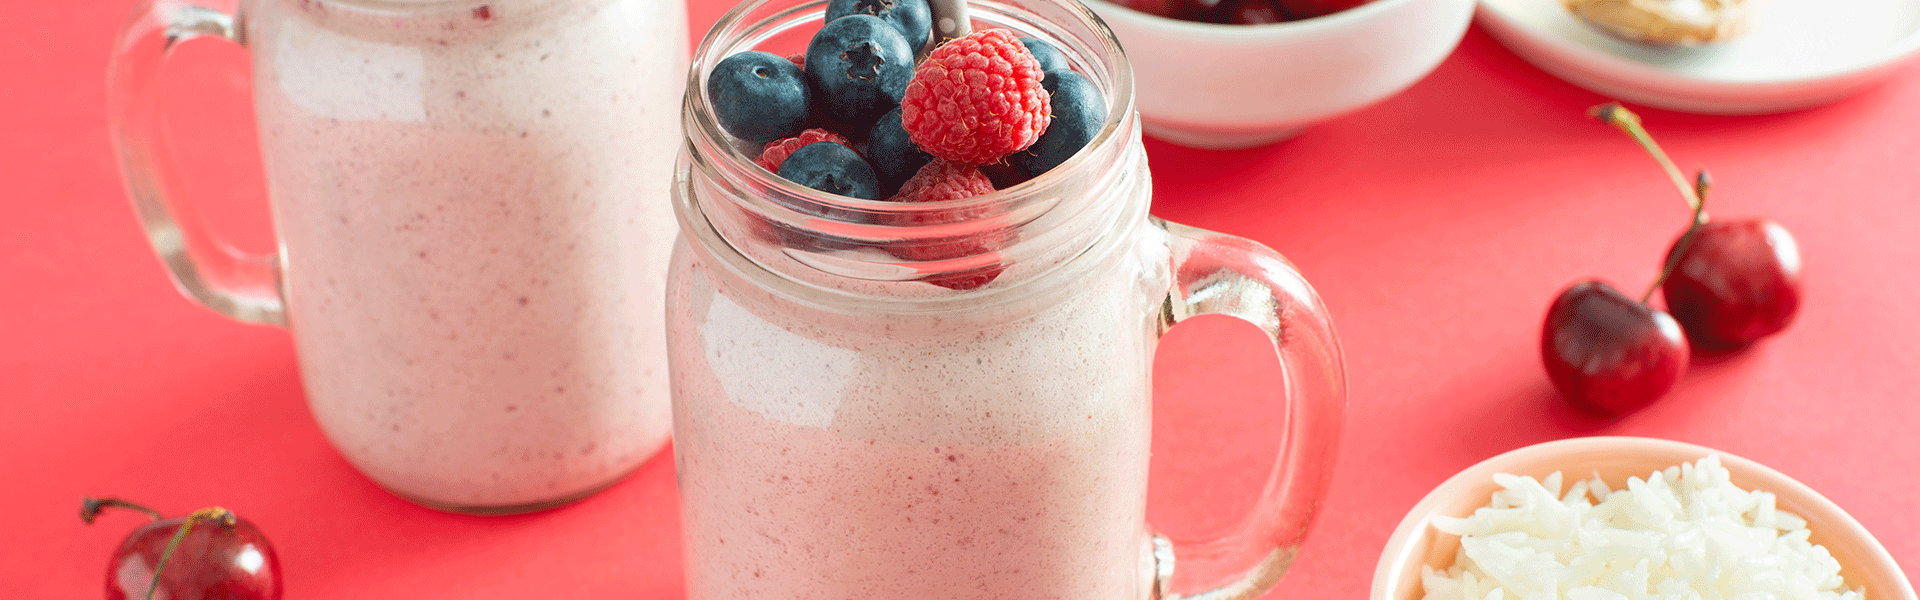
(1627, 517)
(1244, 73)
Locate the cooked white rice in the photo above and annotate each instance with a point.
(1684, 533)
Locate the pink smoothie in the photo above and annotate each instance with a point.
(964, 455)
(474, 213)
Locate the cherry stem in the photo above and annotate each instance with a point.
(90, 508)
(1619, 117)
(216, 514)
(1700, 184)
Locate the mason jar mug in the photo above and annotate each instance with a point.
(470, 199)
(952, 399)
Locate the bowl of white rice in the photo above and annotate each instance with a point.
(1626, 518)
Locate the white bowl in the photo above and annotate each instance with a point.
(1863, 561)
(1207, 85)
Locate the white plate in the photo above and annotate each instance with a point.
(1798, 54)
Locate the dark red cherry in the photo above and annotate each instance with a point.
(1313, 8)
(1738, 281)
(1728, 283)
(210, 554)
(1186, 10)
(1609, 354)
(1247, 12)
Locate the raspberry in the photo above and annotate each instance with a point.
(939, 181)
(777, 151)
(965, 281)
(976, 99)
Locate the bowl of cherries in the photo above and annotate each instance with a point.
(1222, 74)
(1727, 283)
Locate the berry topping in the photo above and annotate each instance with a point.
(1005, 174)
(976, 99)
(799, 59)
(942, 181)
(1049, 57)
(859, 66)
(892, 152)
(833, 168)
(777, 151)
(759, 96)
(1079, 111)
(911, 18)
(965, 281)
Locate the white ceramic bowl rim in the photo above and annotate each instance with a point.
(1893, 53)
(1886, 57)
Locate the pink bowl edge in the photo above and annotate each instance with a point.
(1396, 576)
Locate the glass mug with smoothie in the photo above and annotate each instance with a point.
(471, 204)
(951, 399)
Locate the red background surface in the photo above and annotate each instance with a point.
(1437, 225)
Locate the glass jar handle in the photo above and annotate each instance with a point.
(1221, 274)
(245, 287)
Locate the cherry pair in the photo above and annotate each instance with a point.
(1727, 284)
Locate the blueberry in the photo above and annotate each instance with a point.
(1079, 111)
(859, 66)
(832, 168)
(911, 17)
(1050, 57)
(895, 157)
(758, 96)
